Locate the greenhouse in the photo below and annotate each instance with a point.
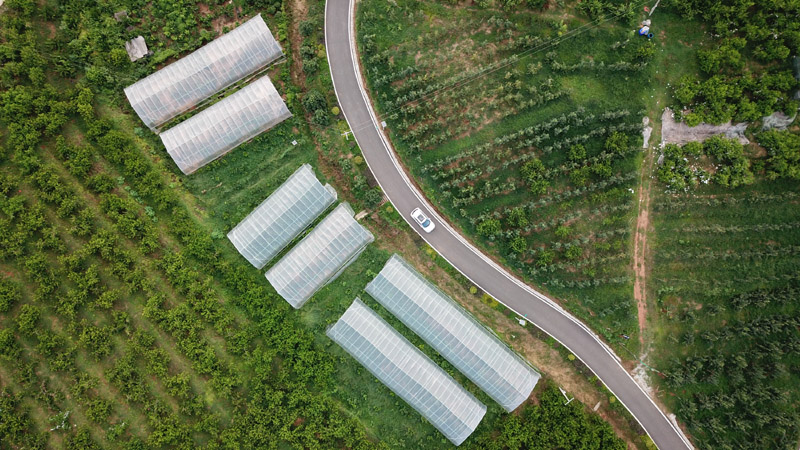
(267, 230)
(454, 333)
(185, 83)
(225, 125)
(408, 372)
(320, 257)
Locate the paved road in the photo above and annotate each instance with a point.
(538, 309)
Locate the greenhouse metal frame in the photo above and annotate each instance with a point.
(320, 257)
(273, 224)
(407, 372)
(225, 125)
(454, 333)
(184, 84)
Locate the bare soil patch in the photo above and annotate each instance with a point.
(640, 247)
(673, 132)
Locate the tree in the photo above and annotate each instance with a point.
(533, 173)
(783, 149)
(373, 197)
(574, 252)
(577, 153)
(519, 244)
(489, 228)
(27, 319)
(9, 294)
(544, 258)
(518, 218)
(617, 143)
(314, 101)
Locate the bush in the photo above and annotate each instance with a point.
(9, 294)
(307, 27)
(519, 244)
(577, 153)
(27, 319)
(533, 173)
(373, 197)
(314, 101)
(489, 228)
(783, 149)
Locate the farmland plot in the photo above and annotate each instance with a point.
(527, 140)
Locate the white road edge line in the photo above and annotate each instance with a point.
(392, 155)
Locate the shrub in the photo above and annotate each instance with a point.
(783, 149)
(9, 294)
(577, 153)
(533, 174)
(373, 197)
(314, 101)
(27, 319)
(574, 252)
(489, 228)
(518, 218)
(519, 244)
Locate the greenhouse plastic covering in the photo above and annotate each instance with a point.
(185, 83)
(408, 372)
(282, 216)
(454, 333)
(223, 126)
(320, 257)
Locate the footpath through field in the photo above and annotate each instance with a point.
(538, 309)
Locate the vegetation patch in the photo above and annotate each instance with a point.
(527, 140)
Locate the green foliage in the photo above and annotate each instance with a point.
(679, 173)
(729, 259)
(577, 153)
(533, 173)
(518, 217)
(373, 197)
(735, 167)
(98, 410)
(783, 151)
(28, 318)
(734, 86)
(489, 228)
(315, 103)
(574, 252)
(544, 258)
(617, 143)
(518, 244)
(9, 294)
(534, 428)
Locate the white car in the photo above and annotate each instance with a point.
(423, 220)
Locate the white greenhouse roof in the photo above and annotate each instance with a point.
(320, 257)
(225, 125)
(453, 333)
(185, 83)
(282, 216)
(408, 372)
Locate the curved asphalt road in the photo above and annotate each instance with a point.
(538, 309)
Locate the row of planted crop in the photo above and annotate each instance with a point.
(677, 203)
(533, 135)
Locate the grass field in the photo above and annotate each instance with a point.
(525, 138)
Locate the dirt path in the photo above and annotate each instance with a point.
(640, 245)
(299, 12)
